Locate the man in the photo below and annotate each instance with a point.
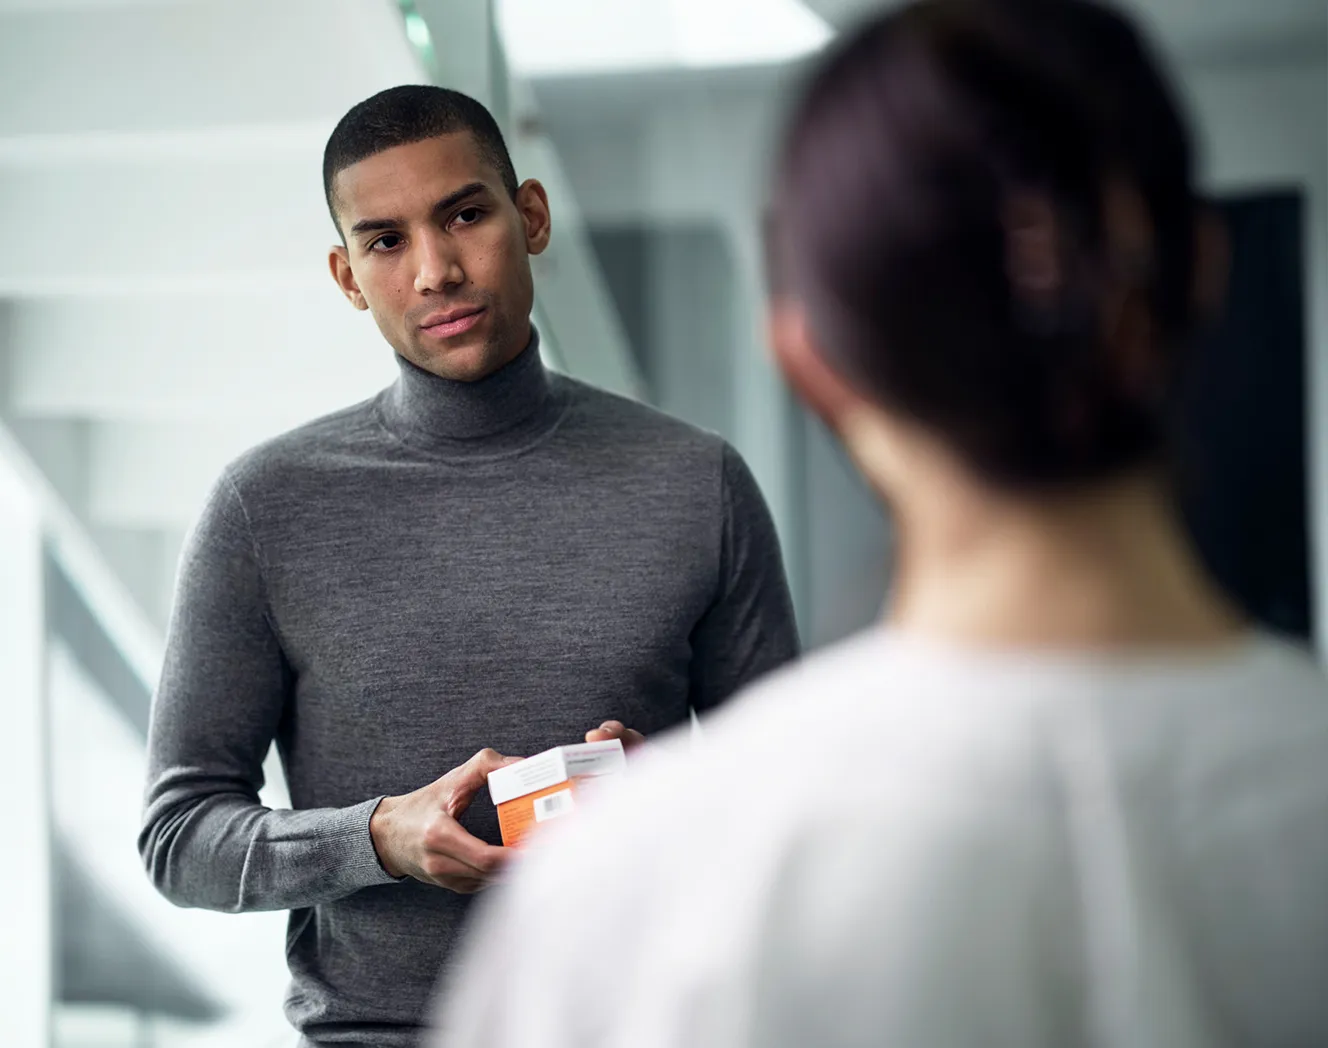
(1066, 795)
(484, 560)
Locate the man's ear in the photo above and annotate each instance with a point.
(338, 260)
(532, 203)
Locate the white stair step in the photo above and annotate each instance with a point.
(165, 222)
(185, 66)
(276, 358)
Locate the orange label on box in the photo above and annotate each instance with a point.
(544, 787)
(518, 817)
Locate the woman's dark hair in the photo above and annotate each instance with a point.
(911, 147)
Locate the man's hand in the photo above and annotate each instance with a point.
(615, 730)
(418, 835)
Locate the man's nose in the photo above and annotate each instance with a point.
(437, 266)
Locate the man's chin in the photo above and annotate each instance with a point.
(461, 363)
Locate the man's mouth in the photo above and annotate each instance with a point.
(452, 322)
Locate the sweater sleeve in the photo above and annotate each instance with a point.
(749, 630)
(206, 839)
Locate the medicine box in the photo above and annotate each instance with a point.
(545, 786)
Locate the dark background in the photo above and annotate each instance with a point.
(1242, 451)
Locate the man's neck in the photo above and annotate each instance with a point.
(1106, 569)
(499, 413)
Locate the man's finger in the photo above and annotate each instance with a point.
(615, 730)
(464, 847)
(488, 760)
(464, 885)
(467, 780)
(606, 732)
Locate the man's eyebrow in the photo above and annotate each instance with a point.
(377, 225)
(452, 199)
(373, 225)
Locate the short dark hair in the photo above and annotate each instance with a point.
(901, 160)
(406, 114)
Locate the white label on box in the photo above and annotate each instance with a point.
(545, 770)
(595, 758)
(554, 805)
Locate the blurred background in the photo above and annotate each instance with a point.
(164, 304)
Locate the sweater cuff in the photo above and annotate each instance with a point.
(358, 859)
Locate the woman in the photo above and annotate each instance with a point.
(1066, 794)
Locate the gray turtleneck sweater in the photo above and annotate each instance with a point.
(387, 590)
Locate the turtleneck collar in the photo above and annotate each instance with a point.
(503, 412)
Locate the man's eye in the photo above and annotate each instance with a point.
(469, 216)
(386, 243)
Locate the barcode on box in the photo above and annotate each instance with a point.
(554, 805)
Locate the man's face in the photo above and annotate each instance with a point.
(439, 253)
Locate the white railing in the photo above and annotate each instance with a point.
(78, 762)
(98, 586)
(26, 948)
